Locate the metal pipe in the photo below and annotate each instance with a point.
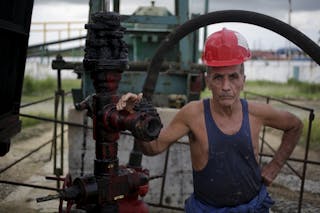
(206, 10)
(106, 5)
(169, 67)
(105, 65)
(62, 131)
(166, 206)
(53, 120)
(54, 147)
(84, 145)
(164, 175)
(28, 185)
(116, 6)
(263, 135)
(55, 42)
(37, 102)
(281, 101)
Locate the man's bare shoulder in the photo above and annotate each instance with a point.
(270, 115)
(257, 108)
(193, 107)
(190, 111)
(258, 112)
(261, 109)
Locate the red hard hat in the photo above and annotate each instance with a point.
(225, 48)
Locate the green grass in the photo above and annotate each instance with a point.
(292, 90)
(35, 89)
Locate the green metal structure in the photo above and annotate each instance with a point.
(146, 28)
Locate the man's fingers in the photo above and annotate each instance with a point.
(140, 96)
(129, 96)
(128, 100)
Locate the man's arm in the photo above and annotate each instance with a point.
(292, 129)
(176, 129)
(168, 135)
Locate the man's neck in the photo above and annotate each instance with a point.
(226, 111)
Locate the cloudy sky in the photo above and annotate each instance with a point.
(305, 16)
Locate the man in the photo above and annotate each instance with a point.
(224, 134)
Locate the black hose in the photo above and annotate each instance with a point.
(270, 23)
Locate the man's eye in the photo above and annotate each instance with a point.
(217, 77)
(234, 76)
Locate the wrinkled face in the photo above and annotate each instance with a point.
(225, 83)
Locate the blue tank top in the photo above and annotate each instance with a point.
(232, 175)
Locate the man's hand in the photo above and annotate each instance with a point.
(128, 101)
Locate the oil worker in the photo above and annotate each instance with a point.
(224, 134)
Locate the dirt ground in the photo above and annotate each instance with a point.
(31, 170)
(38, 165)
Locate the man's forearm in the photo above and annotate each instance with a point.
(148, 148)
(289, 140)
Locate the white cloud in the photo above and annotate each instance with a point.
(60, 12)
(307, 22)
(53, 13)
(304, 21)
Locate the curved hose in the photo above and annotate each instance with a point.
(275, 25)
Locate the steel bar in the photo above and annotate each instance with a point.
(164, 175)
(281, 101)
(55, 42)
(41, 101)
(166, 206)
(36, 102)
(28, 185)
(263, 135)
(53, 120)
(304, 169)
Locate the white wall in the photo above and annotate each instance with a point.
(281, 71)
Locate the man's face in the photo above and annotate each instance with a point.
(225, 83)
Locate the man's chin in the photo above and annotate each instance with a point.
(226, 101)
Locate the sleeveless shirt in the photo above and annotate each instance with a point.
(232, 175)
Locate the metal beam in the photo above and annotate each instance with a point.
(170, 20)
(182, 10)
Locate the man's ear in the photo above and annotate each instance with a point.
(244, 81)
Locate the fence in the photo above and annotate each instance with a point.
(305, 161)
(43, 32)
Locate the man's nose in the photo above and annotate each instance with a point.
(225, 84)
